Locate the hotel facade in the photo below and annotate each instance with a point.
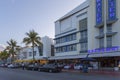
(41, 53)
(91, 28)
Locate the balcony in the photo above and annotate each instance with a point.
(100, 36)
(85, 29)
(99, 25)
(110, 33)
(111, 21)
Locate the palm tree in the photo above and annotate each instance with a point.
(32, 38)
(4, 55)
(12, 45)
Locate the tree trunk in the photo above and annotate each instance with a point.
(13, 54)
(33, 52)
(12, 57)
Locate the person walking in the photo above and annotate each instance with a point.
(23, 66)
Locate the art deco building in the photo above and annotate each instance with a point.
(91, 28)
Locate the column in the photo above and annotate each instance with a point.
(105, 25)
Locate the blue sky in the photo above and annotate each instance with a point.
(19, 16)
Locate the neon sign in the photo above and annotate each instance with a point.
(98, 11)
(102, 50)
(112, 9)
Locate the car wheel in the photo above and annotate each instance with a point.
(50, 71)
(39, 70)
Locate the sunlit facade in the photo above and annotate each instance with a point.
(91, 28)
(40, 52)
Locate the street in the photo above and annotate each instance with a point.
(18, 74)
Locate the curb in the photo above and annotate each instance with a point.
(113, 73)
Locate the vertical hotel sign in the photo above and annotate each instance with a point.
(98, 11)
(111, 9)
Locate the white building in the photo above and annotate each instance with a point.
(91, 28)
(22, 54)
(47, 44)
(40, 52)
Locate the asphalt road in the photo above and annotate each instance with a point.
(18, 74)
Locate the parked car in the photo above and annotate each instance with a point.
(32, 67)
(61, 66)
(1, 65)
(4, 65)
(10, 66)
(78, 66)
(67, 67)
(13, 66)
(49, 68)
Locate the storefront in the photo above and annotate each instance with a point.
(108, 62)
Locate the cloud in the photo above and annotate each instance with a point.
(2, 47)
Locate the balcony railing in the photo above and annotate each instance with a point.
(100, 36)
(111, 21)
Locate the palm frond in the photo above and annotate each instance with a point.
(32, 38)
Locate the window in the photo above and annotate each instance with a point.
(60, 49)
(57, 50)
(74, 47)
(34, 53)
(101, 43)
(71, 48)
(60, 40)
(101, 30)
(30, 53)
(25, 55)
(57, 41)
(74, 36)
(71, 37)
(109, 41)
(40, 48)
(83, 34)
(84, 46)
(66, 38)
(67, 48)
(83, 24)
(109, 28)
(64, 49)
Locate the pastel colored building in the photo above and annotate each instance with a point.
(91, 28)
(40, 52)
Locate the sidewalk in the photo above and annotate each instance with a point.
(99, 72)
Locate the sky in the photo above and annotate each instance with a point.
(20, 16)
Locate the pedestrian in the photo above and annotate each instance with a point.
(23, 66)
